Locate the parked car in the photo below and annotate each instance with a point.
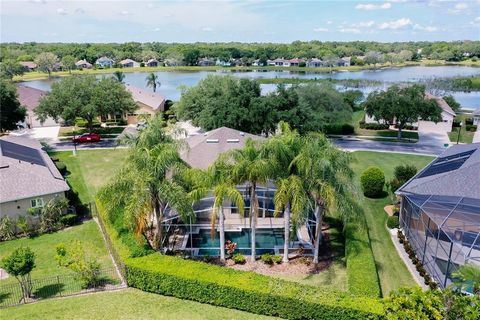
(87, 137)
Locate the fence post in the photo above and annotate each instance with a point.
(59, 286)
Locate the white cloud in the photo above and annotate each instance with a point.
(320, 29)
(459, 8)
(207, 29)
(156, 29)
(425, 28)
(396, 24)
(371, 6)
(125, 13)
(61, 11)
(329, 22)
(363, 24)
(350, 30)
(475, 22)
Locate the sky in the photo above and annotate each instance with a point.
(243, 21)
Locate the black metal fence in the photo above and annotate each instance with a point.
(57, 286)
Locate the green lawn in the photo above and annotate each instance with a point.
(391, 270)
(44, 247)
(465, 136)
(124, 304)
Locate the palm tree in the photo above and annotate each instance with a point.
(217, 181)
(327, 173)
(119, 76)
(468, 275)
(252, 168)
(152, 81)
(148, 187)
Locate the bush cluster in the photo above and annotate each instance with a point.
(373, 126)
(246, 291)
(338, 129)
(372, 180)
(392, 222)
(239, 258)
(62, 168)
(471, 127)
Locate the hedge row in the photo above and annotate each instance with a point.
(362, 277)
(373, 126)
(245, 291)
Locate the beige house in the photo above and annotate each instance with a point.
(29, 178)
(30, 98)
(147, 102)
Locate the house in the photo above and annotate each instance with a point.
(30, 98)
(147, 102)
(476, 118)
(440, 212)
(344, 62)
(259, 63)
(270, 62)
(104, 62)
(223, 63)
(203, 150)
(28, 65)
(296, 62)
(83, 64)
(129, 63)
(152, 63)
(204, 62)
(28, 175)
(314, 63)
(281, 62)
(445, 125)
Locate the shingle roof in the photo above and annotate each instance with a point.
(441, 103)
(82, 62)
(28, 64)
(125, 61)
(26, 170)
(461, 182)
(205, 148)
(29, 97)
(150, 99)
(476, 112)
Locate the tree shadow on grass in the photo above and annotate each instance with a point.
(49, 290)
(4, 296)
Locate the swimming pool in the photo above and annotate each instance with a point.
(266, 241)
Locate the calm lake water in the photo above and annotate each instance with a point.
(172, 81)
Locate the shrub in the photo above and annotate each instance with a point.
(80, 122)
(405, 172)
(247, 291)
(372, 181)
(23, 225)
(266, 258)
(54, 159)
(7, 230)
(338, 129)
(392, 222)
(471, 127)
(373, 126)
(413, 303)
(277, 259)
(61, 167)
(239, 258)
(68, 219)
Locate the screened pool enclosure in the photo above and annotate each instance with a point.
(444, 232)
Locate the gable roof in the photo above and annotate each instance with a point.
(150, 99)
(455, 173)
(103, 59)
(125, 61)
(441, 103)
(28, 64)
(29, 97)
(82, 62)
(205, 148)
(26, 171)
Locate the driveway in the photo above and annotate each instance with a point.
(430, 134)
(476, 137)
(44, 134)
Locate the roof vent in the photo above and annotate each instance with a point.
(242, 133)
(233, 141)
(212, 140)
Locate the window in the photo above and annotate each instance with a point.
(37, 203)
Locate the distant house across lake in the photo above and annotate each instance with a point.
(83, 64)
(28, 65)
(129, 63)
(104, 62)
(152, 63)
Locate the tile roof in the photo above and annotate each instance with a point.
(205, 148)
(26, 170)
(150, 99)
(29, 97)
(463, 181)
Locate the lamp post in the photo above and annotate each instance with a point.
(74, 141)
(459, 129)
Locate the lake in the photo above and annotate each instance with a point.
(172, 80)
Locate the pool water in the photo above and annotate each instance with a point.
(266, 240)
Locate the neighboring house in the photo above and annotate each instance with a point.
(314, 63)
(202, 151)
(270, 62)
(104, 62)
(152, 63)
(30, 98)
(281, 62)
(296, 62)
(129, 63)
(223, 63)
(204, 62)
(29, 178)
(344, 62)
(476, 118)
(258, 63)
(83, 64)
(147, 102)
(28, 65)
(445, 125)
(440, 212)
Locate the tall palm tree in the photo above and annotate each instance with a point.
(217, 181)
(252, 168)
(119, 76)
(147, 187)
(327, 173)
(291, 198)
(152, 81)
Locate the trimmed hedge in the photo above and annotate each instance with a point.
(338, 129)
(373, 126)
(392, 222)
(245, 291)
(372, 180)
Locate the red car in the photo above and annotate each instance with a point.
(87, 137)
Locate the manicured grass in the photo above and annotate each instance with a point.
(391, 270)
(124, 304)
(465, 136)
(358, 116)
(387, 133)
(91, 169)
(44, 248)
